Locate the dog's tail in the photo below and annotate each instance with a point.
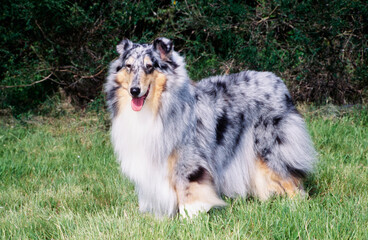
(294, 150)
(285, 156)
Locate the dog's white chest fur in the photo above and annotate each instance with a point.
(138, 142)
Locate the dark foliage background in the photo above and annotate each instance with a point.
(319, 48)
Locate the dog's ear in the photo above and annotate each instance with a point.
(123, 46)
(163, 47)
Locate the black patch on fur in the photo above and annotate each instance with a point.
(148, 71)
(221, 85)
(258, 104)
(114, 108)
(173, 112)
(196, 96)
(221, 127)
(199, 175)
(158, 64)
(259, 122)
(289, 102)
(256, 125)
(125, 55)
(256, 141)
(126, 45)
(112, 93)
(240, 132)
(242, 118)
(265, 152)
(276, 120)
(199, 124)
(155, 63)
(295, 172)
(267, 96)
(164, 66)
(151, 68)
(173, 64)
(246, 78)
(165, 47)
(212, 92)
(203, 155)
(278, 140)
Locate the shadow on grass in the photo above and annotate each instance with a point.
(311, 186)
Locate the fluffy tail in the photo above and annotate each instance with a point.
(285, 155)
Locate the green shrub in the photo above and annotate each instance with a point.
(320, 48)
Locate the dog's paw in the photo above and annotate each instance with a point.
(191, 210)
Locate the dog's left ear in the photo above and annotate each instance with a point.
(123, 46)
(163, 47)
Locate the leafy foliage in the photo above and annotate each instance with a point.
(320, 48)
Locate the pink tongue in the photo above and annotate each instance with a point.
(137, 103)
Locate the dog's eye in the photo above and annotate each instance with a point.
(149, 67)
(118, 68)
(128, 66)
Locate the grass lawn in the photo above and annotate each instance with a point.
(59, 180)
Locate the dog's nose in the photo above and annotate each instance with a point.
(135, 91)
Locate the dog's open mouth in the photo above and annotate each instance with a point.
(137, 102)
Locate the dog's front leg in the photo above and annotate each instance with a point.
(197, 194)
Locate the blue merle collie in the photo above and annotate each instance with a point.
(185, 144)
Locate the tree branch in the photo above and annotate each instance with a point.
(27, 85)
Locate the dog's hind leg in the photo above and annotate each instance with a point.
(198, 194)
(267, 182)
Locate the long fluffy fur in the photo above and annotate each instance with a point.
(235, 135)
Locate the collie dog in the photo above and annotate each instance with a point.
(186, 144)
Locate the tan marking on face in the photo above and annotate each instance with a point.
(158, 84)
(123, 78)
(147, 60)
(266, 182)
(146, 79)
(123, 99)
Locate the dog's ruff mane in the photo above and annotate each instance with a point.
(186, 144)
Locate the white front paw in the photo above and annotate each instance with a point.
(193, 209)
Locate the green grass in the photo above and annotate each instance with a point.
(59, 180)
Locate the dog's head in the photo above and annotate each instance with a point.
(141, 72)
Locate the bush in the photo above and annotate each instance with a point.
(319, 48)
